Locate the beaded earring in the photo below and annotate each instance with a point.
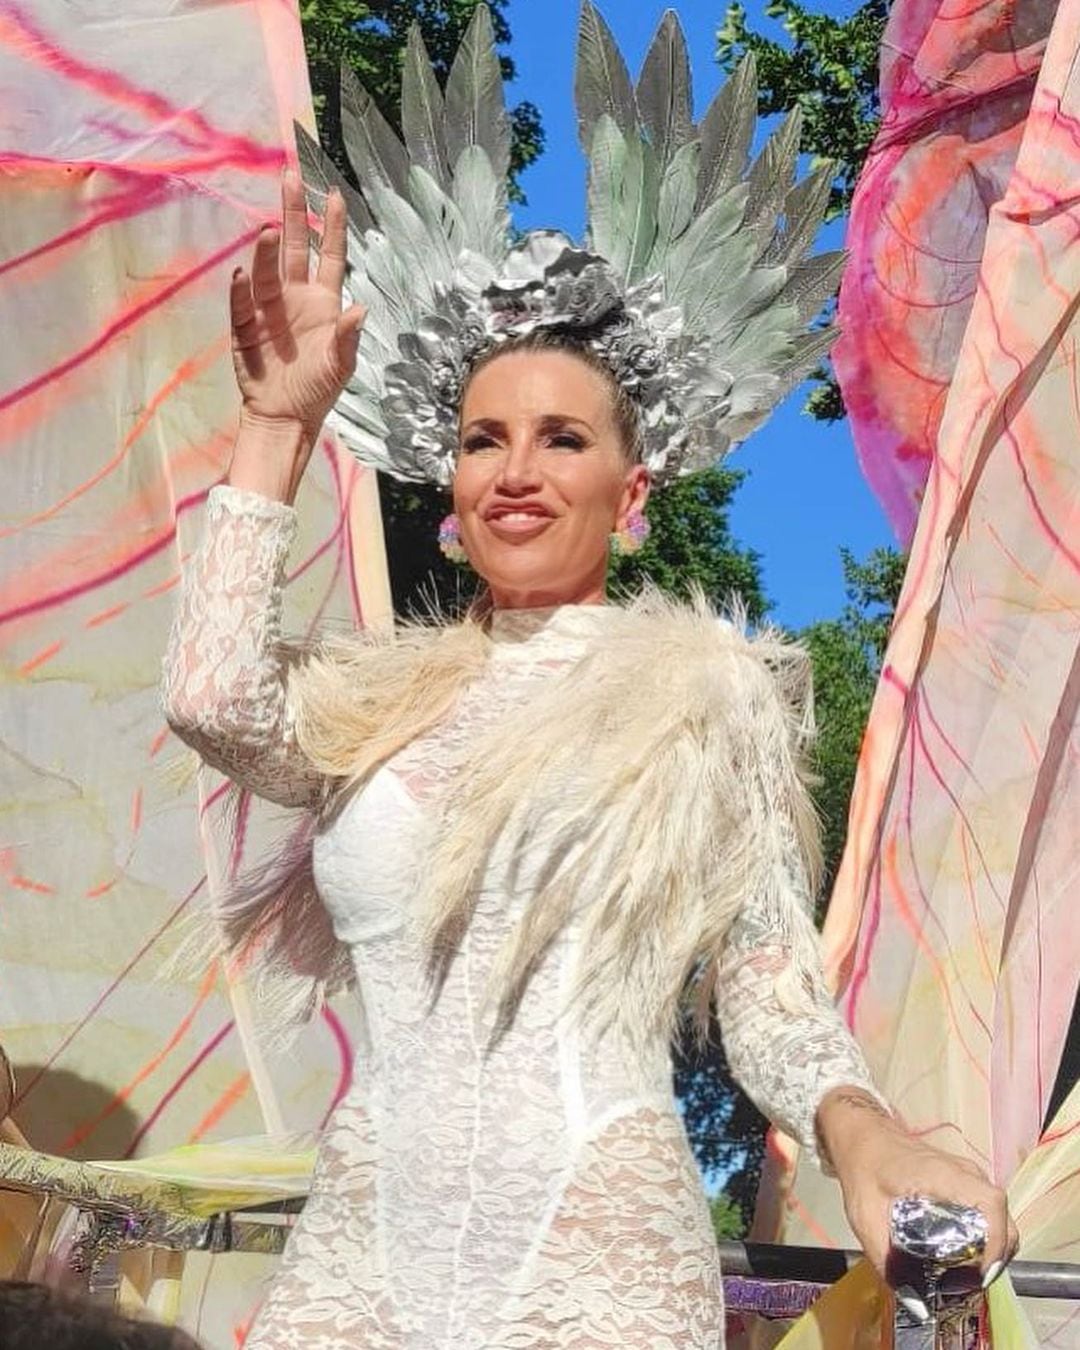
(450, 540)
(632, 536)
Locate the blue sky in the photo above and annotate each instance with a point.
(804, 496)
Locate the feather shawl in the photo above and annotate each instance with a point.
(661, 778)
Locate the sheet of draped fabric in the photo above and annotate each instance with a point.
(952, 931)
(141, 151)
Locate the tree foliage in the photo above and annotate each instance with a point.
(691, 546)
(847, 653)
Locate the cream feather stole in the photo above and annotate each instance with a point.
(662, 776)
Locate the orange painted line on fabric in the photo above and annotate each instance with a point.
(106, 614)
(38, 887)
(46, 654)
(130, 312)
(903, 908)
(158, 741)
(96, 892)
(969, 891)
(161, 587)
(234, 1093)
(185, 372)
(796, 1206)
(83, 1132)
(136, 810)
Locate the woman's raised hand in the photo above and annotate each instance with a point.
(293, 346)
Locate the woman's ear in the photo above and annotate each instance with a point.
(635, 494)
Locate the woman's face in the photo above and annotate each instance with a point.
(541, 479)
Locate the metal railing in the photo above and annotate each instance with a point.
(770, 1280)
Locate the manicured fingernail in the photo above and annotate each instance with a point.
(915, 1306)
(992, 1272)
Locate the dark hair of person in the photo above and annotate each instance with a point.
(36, 1317)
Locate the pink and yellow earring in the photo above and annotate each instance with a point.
(450, 540)
(632, 536)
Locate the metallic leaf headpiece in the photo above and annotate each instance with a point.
(689, 287)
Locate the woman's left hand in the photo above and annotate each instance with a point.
(876, 1161)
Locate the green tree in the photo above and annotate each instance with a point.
(847, 653)
(691, 545)
(727, 1219)
(829, 68)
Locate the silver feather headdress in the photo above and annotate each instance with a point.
(693, 283)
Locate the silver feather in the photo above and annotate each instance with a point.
(813, 281)
(804, 210)
(628, 182)
(601, 80)
(425, 254)
(439, 212)
(422, 110)
(374, 151)
(475, 110)
(698, 245)
(678, 192)
(320, 171)
(772, 174)
(480, 195)
(664, 90)
(726, 132)
(714, 283)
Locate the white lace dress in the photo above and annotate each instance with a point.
(532, 1196)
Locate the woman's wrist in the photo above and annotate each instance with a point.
(269, 457)
(846, 1117)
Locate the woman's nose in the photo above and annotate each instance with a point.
(519, 469)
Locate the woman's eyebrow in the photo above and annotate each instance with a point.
(492, 425)
(557, 421)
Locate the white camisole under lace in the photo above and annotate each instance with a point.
(537, 1194)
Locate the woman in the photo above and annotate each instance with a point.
(533, 831)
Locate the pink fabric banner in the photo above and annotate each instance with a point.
(956, 84)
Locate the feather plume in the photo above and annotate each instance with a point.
(625, 189)
(601, 81)
(726, 132)
(813, 281)
(439, 214)
(475, 112)
(675, 209)
(664, 90)
(480, 196)
(804, 210)
(772, 174)
(374, 151)
(699, 760)
(320, 170)
(700, 249)
(422, 110)
(423, 254)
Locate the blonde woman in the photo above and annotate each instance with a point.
(547, 835)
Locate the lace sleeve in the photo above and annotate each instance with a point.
(785, 1057)
(224, 683)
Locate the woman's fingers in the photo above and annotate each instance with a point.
(294, 250)
(265, 274)
(333, 252)
(345, 340)
(241, 308)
